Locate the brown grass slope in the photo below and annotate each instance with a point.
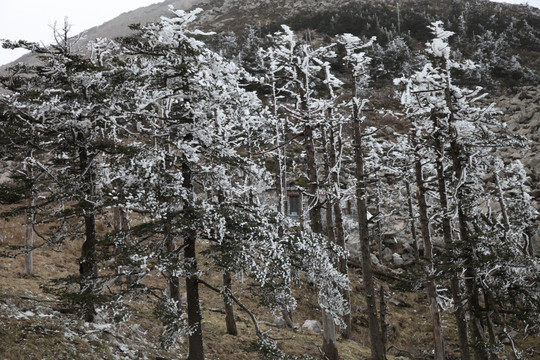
(35, 325)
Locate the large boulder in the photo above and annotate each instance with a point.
(312, 325)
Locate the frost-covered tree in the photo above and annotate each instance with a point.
(159, 125)
(199, 169)
(198, 119)
(462, 134)
(67, 103)
(17, 133)
(301, 68)
(358, 61)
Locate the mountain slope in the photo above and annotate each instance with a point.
(119, 26)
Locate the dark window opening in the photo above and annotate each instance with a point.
(347, 209)
(294, 204)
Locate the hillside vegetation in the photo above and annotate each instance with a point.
(335, 184)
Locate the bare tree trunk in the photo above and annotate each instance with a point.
(471, 279)
(490, 326)
(121, 225)
(457, 155)
(333, 161)
(383, 311)
(502, 203)
(196, 350)
(88, 261)
(343, 268)
(330, 349)
(329, 332)
(413, 225)
(313, 204)
(29, 238)
(475, 311)
(230, 322)
(438, 336)
(334, 217)
(378, 231)
(423, 209)
(528, 247)
(448, 240)
(281, 180)
(173, 281)
(454, 281)
(377, 346)
(30, 219)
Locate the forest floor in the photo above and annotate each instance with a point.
(35, 325)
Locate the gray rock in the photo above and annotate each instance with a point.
(505, 340)
(387, 255)
(312, 325)
(408, 258)
(353, 245)
(397, 259)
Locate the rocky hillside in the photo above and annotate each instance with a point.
(521, 108)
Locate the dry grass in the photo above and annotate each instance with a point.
(51, 334)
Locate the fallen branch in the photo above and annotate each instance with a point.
(378, 270)
(251, 315)
(267, 323)
(218, 310)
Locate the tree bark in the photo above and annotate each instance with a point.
(377, 346)
(230, 322)
(423, 209)
(121, 225)
(471, 282)
(334, 216)
(454, 281)
(378, 230)
(30, 219)
(196, 350)
(313, 203)
(490, 326)
(330, 349)
(383, 311)
(457, 155)
(281, 180)
(413, 225)
(329, 332)
(88, 261)
(173, 281)
(438, 336)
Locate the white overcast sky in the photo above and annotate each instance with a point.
(32, 19)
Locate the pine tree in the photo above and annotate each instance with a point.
(65, 103)
(358, 61)
(301, 66)
(204, 171)
(461, 137)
